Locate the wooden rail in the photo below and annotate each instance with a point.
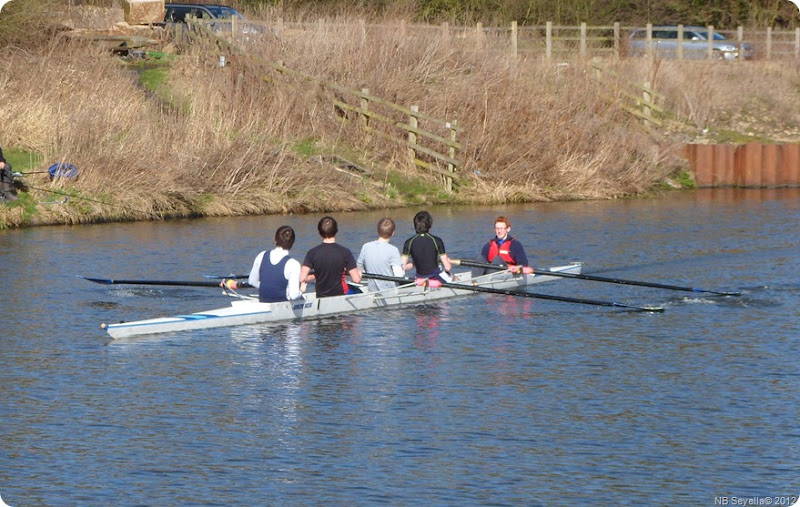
(399, 124)
(746, 165)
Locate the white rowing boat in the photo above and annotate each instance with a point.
(247, 311)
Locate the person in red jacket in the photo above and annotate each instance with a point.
(503, 249)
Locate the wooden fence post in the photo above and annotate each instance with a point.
(583, 40)
(364, 107)
(446, 34)
(362, 25)
(548, 44)
(412, 136)
(451, 152)
(479, 37)
(710, 32)
(616, 39)
(740, 42)
(680, 42)
(514, 36)
(649, 39)
(769, 43)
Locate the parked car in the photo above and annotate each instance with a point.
(219, 17)
(694, 44)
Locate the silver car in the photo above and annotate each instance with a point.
(695, 43)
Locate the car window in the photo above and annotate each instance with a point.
(665, 34)
(201, 13)
(222, 12)
(176, 14)
(703, 35)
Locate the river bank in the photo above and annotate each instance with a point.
(178, 135)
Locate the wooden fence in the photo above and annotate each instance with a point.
(637, 99)
(747, 165)
(399, 124)
(563, 41)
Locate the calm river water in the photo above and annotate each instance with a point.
(483, 400)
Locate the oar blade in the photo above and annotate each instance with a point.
(719, 293)
(104, 281)
(169, 283)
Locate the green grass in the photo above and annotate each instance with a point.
(307, 148)
(413, 190)
(685, 180)
(678, 181)
(155, 80)
(23, 160)
(724, 136)
(28, 205)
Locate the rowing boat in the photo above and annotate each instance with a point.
(247, 310)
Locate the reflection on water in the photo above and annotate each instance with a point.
(484, 399)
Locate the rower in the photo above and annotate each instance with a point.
(330, 262)
(380, 257)
(503, 249)
(277, 278)
(426, 251)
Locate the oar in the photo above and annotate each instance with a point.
(461, 262)
(508, 292)
(177, 283)
(220, 277)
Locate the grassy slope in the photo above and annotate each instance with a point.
(190, 138)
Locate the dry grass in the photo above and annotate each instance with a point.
(225, 140)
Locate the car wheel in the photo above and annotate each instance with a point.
(717, 55)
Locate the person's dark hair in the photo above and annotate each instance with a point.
(327, 227)
(284, 237)
(386, 228)
(423, 222)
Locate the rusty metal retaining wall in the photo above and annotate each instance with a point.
(745, 165)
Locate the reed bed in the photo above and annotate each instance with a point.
(240, 139)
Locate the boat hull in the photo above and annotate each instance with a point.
(247, 312)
